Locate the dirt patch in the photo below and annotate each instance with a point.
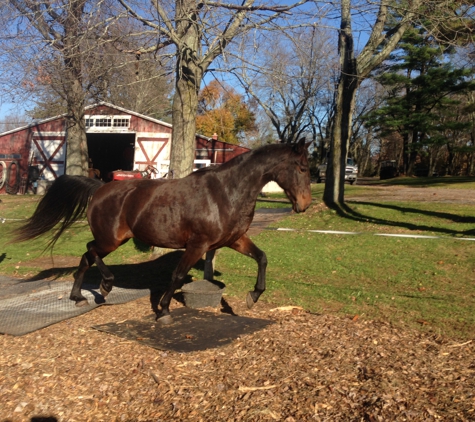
(423, 194)
(263, 217)
(57, 261)
(304, 367)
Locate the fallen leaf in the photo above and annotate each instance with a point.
(247, 389)
(287, 308)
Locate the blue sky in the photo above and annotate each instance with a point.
(5, 109)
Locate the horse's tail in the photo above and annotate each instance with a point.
(65, 201)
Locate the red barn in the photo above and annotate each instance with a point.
(117, 139)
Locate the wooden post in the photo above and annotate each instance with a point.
(209, 265)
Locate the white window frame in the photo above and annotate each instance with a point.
(206, 163)
(108, 123)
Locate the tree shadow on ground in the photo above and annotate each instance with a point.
(346, 211)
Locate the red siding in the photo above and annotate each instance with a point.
(15, 144)
(217, 151)
(137, 124)
(19, 143)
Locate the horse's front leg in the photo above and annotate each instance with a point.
(107, 277)
(245, 246)
(189, 258)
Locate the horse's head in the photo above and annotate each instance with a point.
(293, 176)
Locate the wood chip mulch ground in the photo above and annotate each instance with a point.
(304, 367)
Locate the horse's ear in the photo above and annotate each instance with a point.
(300, 146)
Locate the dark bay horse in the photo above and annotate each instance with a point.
(202, 212)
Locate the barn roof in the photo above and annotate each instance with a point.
(91, 107)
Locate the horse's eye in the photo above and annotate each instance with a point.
(301, 166)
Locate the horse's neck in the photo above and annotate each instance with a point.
(256, 172)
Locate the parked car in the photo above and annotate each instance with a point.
(351, 172)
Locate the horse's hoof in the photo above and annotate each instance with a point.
(249, 300)
(103, 291)
(165, 320)
(81, 303)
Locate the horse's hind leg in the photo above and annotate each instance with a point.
(245, 246)
(86, 261)
(92, 256)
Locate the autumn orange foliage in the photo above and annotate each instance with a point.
(223, 111)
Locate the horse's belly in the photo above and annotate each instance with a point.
(161, 230)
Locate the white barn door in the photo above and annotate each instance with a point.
(152, 151)
(49, 149)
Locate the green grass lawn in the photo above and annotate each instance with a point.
(424, 283)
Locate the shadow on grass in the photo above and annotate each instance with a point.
(154, 275)
(346, 211)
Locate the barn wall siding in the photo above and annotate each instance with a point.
(152, 142)
(217, 151)
(18, 143)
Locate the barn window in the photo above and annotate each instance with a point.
(120, 122)
(101, 122)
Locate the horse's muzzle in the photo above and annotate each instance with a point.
(301, 204)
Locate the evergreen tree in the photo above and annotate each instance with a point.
(424, 93)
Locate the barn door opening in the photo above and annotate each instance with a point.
(110, 151)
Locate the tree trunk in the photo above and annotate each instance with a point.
(335, 182)
(345, 96)
(366, 165)
(189, 75)
(410, 154)
(412, 163)
(185, 105)
(378, 47)
(76, 151)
